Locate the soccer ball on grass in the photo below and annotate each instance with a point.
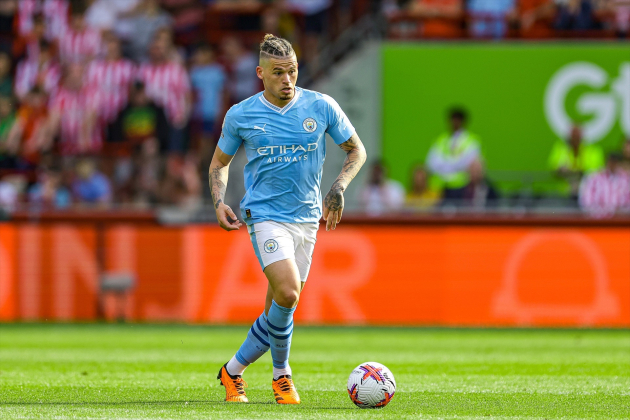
(371, 385)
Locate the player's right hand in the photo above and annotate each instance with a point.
(224, 214)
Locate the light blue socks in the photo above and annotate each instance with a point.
(272, 332)
(280, 329)
(255, 345)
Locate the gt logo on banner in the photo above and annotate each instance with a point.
(604, 107)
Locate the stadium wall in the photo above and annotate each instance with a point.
(361, 274)
(521, 98)
(355, 84)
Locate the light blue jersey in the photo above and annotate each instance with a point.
(285, 148)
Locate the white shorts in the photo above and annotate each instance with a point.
(275, 241)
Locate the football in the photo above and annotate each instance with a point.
(371, 385)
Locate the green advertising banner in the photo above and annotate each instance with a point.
(521, 98)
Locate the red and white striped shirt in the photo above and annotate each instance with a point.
(112, 80)
(604, 193)
(77, 47)
(29, 74)
(74, 107)
(55, 15)
(168, 85)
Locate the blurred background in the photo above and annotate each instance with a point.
(496, 192)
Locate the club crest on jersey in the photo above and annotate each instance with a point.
(271, 246)
(309, 125)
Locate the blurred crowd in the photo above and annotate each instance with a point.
(453, 176)
(120, 101)
(492, 19)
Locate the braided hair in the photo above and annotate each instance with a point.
(275, 47)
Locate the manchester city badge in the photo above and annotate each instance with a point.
(309, 125)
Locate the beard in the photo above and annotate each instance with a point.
(285, 96)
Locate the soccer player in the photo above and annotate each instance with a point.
(283, 131)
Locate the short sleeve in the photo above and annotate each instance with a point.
(339, 127)
(230, 140)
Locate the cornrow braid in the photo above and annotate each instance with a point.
(275, 47)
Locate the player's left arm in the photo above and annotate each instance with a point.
(355, 158)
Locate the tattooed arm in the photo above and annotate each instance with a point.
(218, 174)
(333, 203)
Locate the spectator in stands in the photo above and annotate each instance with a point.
(181, 185)
(141, 120)
(440, 18)
(479, 193)
(605, 192)
(73, 115)
(12, 188)
(189, 19)
(29, 44)
(381, 195)
(149, 168)
(6, 81)
(625, 154)
(422, 194)
(90, 185)
(490, 18)
(574, 15)
(573, 159)
(79, 43)
(167, 84)
(452, 154)
(173, 53)
(138, 28)
(276, 19)
(620, 9)
(315, 14)
(208, 79)
(8, 9)
(27, 138)
(43, 72)
(55, 14)
(243, 80)
(390, 8)
(7, 119)
(103, 14)
(49, 192)
(111, 77)
(536, 17)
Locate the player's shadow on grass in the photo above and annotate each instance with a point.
(208, 402)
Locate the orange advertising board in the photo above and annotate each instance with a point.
(388, 275)
(8, 284)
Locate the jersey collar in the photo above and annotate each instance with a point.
(284, 109)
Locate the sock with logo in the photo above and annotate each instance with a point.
(255, 345)
(280, 329)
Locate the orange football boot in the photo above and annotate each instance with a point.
(234, 386)
(284, 390)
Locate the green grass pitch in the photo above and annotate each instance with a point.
(168, 372)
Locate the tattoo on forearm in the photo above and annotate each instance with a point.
(354, 160)
(218, 180)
